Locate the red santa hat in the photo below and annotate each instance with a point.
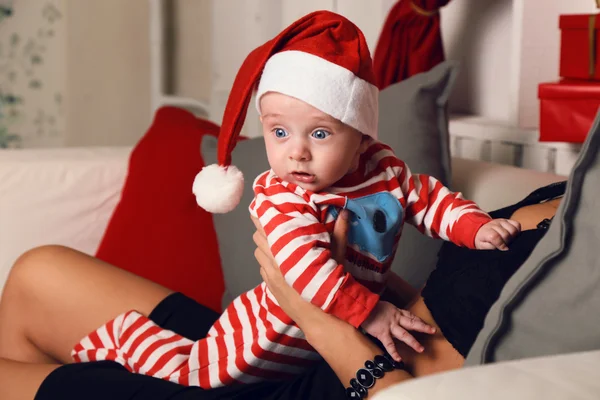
(321, 59)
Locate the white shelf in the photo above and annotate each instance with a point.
(480, 138)
(485, 129)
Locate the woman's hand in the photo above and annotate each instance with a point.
(387, 322)
(286, 296)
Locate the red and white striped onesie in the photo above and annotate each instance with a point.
(254, 339)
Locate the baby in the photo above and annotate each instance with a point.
(318, 107)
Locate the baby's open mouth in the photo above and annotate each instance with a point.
(303, 177)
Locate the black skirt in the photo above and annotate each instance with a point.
(466, 282)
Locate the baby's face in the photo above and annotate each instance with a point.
(306, 146)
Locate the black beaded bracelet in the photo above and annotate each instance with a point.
(365, 377)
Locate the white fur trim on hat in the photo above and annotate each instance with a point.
(324, 85)
(218, 189)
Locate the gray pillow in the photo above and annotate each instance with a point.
(551, 304)
(235, 229)
(412, 120)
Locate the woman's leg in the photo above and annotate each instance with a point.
(20, 381)
(55, 296)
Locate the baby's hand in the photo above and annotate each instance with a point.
(387, 322)
(497, 234)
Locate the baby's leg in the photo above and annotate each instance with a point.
(55, 296)
(232, 353)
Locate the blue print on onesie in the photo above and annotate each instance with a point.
(375, 220)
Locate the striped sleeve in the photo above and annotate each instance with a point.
(300, 244)
(437, 212)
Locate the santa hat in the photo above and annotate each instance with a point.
(321, 59)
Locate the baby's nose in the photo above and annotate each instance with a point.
(300, 153)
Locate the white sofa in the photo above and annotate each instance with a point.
(57, 196)
(561, 377)
(66, 196)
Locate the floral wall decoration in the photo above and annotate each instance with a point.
(31, 73)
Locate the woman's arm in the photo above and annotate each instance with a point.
(398, 291)
(342, 346)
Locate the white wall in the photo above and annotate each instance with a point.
(191, 48)
(81, 69)
(108, 62)
(32, 52)
(108, 100)
(478, 34)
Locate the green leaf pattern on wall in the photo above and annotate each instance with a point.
(31, 73)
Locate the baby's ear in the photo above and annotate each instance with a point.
(364, 144)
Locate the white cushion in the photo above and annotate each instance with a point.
(57, 196)
(570, 376)
(493, 186)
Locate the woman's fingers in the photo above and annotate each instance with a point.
(263, 261)
(258, 225)
(410, 321)
(339, 237)
(388, 342)
(261, 241)
(402, 335)
(269, 272)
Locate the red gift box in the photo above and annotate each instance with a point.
(567, 110)
(580, 46)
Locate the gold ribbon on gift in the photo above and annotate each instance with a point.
(592, 44)
(427, 13)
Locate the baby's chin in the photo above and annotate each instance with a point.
(312, 187)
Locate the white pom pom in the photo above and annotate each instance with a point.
(218, 189)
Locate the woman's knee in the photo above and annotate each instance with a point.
(35, 267)
(31, 283)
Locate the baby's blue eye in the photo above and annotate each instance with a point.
(320, 134)
(280, 133)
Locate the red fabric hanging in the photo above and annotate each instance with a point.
(410, 41)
